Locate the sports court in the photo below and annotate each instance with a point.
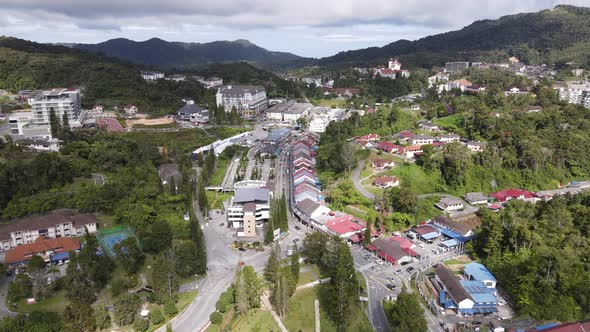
(109, 237)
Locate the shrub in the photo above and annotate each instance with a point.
(216, 318)
(170, 308)
(140, 324)
(156, 316)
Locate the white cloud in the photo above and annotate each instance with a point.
(276, 24)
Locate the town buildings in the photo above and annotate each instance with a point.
(289, 111)
(456, 67)
(248, 100)
(393, 70)
(50, 250)
(575, 93)
(62, 223)
(394, 250)
(193, 113)
(58, 101)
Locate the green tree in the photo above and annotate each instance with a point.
(163, 277)
(406, 314)
(253, 286)
(126, 307)
(80, 287)
(140, 324)
(54, 124)
(103, 319)
(367, 235)
(403, 200)
(129, 254)
(295, 266)
(170, 308)
(79, 317)
(20, 287)
(272, 265)
(36, 269)
(240, 293)
(216, 318)
(156, 317)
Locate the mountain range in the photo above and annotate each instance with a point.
(561, 34)
(163, 54)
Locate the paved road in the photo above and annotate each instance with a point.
(356, 179)
(4, 282)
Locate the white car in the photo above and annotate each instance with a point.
(378, 261)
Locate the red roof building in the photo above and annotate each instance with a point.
(42, 247)
(370, 137)
(508, 194)
(388, 147)
(386, 181)
(382, 163)
(345, 226)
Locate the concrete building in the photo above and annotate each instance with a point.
(50, 250)
(211, 82)
(575, 93)
(193, 113)
(248, 100)
(18, 120)
(456, 67)
(476, 198)
(248, 210)
(449, 204)
(151, 75)
(41, 145)
(59, 101)
(420, 140)
(62, 223)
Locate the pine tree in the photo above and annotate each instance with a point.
(367, 236)
(54, 124)
(65, 124)
(295, 266)
(272, 265)
(240, 294)
(407, 314)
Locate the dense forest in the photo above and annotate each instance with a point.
(539, 253)
(556, 35)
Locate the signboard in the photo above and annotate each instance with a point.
(276, 234)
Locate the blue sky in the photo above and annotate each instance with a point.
(313, 28)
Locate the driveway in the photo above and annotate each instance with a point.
(356, 179)
(4, 282)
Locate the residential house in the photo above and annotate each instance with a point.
(429, 126)
(420, 140)
(312, 209)
(176, 78)
(515, 91)
(382, 164)
(193, 113)
(61, 223)
(130, 110)
(509, 194)
(475, 146)
(151, 75)
(450, 204)
(370, 137)
(448, 138)
(412, 151)
(405, 136)
(392, 71)
(476, 198)
(211, 82)
(388, 147)
(386, 181)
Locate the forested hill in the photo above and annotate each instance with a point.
(556, 35)
(29, 65)
(163, 54)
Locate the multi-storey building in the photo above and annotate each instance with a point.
(59, 101)
(248, 210)
(18, 120)
(456, 67)
(62, 223)
(152, 75)
(576, 93)
(248, 100)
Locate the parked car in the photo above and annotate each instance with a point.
(390, 287)
(242, 249)
(398, 272)
(221, 224)
(378, 261)
(297, 228)
(410, 269)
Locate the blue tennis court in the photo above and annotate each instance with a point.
(108, 238)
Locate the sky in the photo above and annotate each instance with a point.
(313, 28)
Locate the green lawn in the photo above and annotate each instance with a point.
(184, 299)
(216, 199)
(219, 172)
(425, 209)
(311, 274)
(78, 184)
(56, 303)
(300, 314)
(451, 120)
(256, 320)
(419, 181)
(105, 221)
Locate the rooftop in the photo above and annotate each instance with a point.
(45, 221)
(25, 252)
(189, 109)
(452, 284)
(240, 90)
(478, 272)
(246, 195)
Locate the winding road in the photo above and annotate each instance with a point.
(356, 180)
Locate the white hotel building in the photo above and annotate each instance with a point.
(58, 100)
(248, 100)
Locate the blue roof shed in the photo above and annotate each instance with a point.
(477, 271)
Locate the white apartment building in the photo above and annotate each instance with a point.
(62, 223)
(421, 140)
(318, 124)
(576, 93)
(59, 101)
(248, 100)
(151, 75)
(212, 82)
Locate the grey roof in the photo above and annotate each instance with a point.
(475, 197)
(281, 107)
(450, 201)
(452, 225)
(422, 137)
(45, 221)
(189, 109)
(240, 90)
(246, 195)
(167, 171)
(452, 284)
(307, 206)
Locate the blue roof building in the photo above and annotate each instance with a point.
(478, 272)
(484, 299)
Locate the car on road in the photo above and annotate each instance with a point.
(390, 287)
(221, 224)
(242, 249)
(404, 263)
(297, 228)
(410, 269)
(378, 261)
(398, 272)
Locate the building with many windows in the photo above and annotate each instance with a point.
(248, 210)
(61, 223)
(59, 101)
(248, 100)
(576, 93)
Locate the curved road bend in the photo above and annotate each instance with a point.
(356, 179)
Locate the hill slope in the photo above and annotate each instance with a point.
(561, 34)
(29, 65)
(163, 54)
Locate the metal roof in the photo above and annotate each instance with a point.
(478, 271)
(245, 195)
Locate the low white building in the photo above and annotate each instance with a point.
(421, 140)
(450, 204)
(41, 145)
(17, 120)
(318, 124)
(151, 75)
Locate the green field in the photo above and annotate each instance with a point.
(219, 173)
(216, 199)
(157, 126)
(56, 303)
(184, 299)
(256, 320)
(419, 181)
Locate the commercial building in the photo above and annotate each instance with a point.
(393, 250)
(62, 223)
(248, 210)
(449, 204)
(467, 297)
(476, 198)
(51, 250)
(59, 101)
(478, 272)
(248, 100)
(456, 67)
